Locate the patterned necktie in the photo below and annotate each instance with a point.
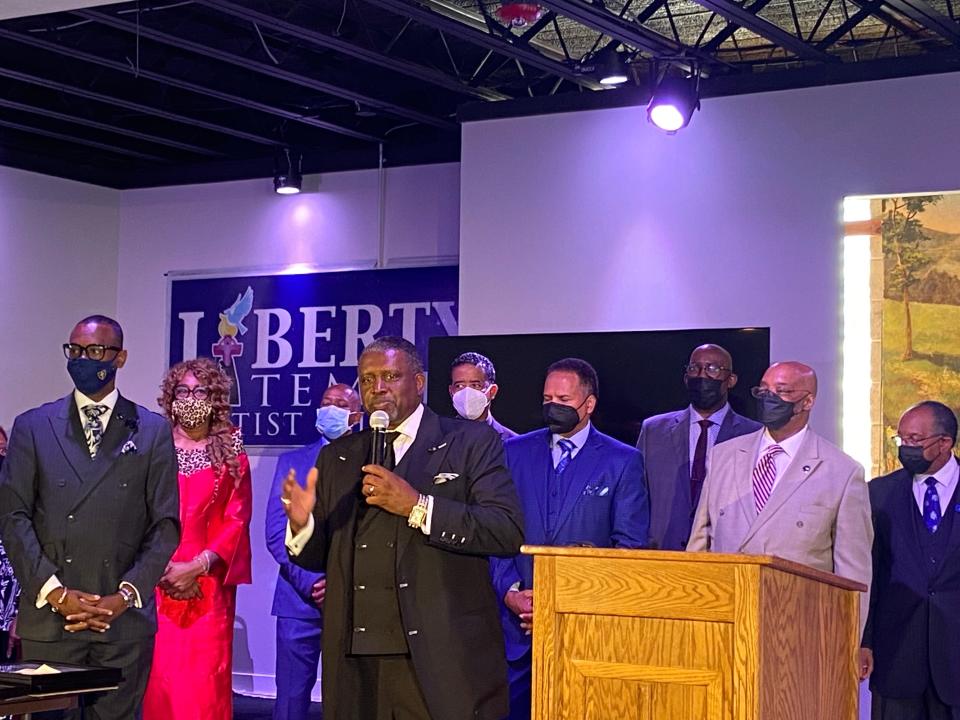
(566, 454)
(93, 428)
(931, 506)
(698, 470)
(764, 475)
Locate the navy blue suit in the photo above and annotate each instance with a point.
(602, 502)
(914, 621)
(299, 620)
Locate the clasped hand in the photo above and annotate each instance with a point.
(179, 580)
(86, 611)
(520, 603)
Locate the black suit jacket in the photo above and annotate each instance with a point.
(91, 522)
(914, 622)
(447, 603)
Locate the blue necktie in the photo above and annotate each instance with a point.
(931, 505)
(566, 454)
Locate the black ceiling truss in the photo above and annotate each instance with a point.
(928, 17)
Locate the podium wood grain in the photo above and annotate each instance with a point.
(623, 634)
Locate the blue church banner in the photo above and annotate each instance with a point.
(285, 338)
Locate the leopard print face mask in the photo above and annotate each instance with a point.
(191, 412)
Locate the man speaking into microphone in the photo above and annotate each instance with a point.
(412, 629)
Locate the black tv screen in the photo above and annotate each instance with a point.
(641, 373)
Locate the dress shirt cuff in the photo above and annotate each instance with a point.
(515, 587)
(48, 587)
(425, 528)
(296, 543)
(136, 593)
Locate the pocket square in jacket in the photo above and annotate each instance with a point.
(441, 478)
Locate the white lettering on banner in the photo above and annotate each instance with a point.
(191, 330)
(310, 337)
(409, 314)
(265, 338)
(299, 389)
(444, 310)
(278, 422)
(354, 335)
(265, 388)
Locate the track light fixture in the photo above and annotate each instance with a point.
(287, 175)
(612, 69)
(674, 101)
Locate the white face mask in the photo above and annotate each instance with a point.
(470, 403)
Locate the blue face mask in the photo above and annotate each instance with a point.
(91, 376)
(332, 421)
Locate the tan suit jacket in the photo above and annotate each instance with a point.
(818, 513)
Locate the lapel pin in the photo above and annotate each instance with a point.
(806, 468)
(434, 449)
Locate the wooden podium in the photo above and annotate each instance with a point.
(646, 635)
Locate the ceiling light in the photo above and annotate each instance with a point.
(612, 69)
(674, 102)
(287, 177)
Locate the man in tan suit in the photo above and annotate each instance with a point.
(786, 491)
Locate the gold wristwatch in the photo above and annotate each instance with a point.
(418, 516)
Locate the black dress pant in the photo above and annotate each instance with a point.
(133, 658)
(389, 688)
(927, 707)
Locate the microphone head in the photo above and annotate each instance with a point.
(379, 420)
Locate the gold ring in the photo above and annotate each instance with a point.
(369, 489)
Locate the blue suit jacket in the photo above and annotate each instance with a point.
(665, 445)
(292, 596)
(604, 505)
(914, 621)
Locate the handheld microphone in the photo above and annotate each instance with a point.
(379, 421)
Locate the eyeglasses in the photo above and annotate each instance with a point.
(912, 440)
(481, 386)
(72, 351)
(182, 392)
(759, 392)
(711, 370)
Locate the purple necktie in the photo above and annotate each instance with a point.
(764, 475)
(698, 470)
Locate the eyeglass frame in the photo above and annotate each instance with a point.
(915, 442)
(705, 370)
(85, 351)
(190, 392)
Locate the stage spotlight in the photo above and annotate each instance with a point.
(612, 69)
(674, 102)
(287, 177)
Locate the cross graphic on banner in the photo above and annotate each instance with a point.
(227, 349)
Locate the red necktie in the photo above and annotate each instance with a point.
(698, 471)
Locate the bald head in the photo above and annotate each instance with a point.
(342, 396)
(710, 353)
(791, 375)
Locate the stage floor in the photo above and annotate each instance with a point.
(251, 708)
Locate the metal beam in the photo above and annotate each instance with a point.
(132, 106)
(626, 31)
(271, 71)
(181, 84)
(523, 53)
(106, 127)
(404, 67)
(80, 141)
(920, 12)
(734, 13)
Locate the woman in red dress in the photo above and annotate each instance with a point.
(196, 598)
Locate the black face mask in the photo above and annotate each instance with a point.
(561, 419)
(773, 411)
(912, 459)
(705, 393)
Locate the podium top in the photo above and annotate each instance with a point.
(772, 561)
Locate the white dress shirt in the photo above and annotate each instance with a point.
(790, 445)
(578, 439)
(946, 476)
(713, 431)
(407, 430)
(82, 401)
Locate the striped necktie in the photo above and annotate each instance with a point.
(93, 428)
(566, 454)
(764, 475)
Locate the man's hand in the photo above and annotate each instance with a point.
(866, 663)
(80, 609)
(13, 640)
(388, 491)
(520, 603)
(319, 591)
(298, 502)
(180, 577)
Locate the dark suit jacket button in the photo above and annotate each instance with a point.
(720, 513)
(931, 593)
(106, 563)
(799, 523)
(68, 560)
(70, 518)
(61, 483)
(390, 543)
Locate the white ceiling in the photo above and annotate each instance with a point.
(18, 8)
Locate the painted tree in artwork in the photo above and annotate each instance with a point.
(903, 237)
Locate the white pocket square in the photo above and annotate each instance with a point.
(441, 478)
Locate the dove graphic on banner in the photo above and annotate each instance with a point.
(228, 347)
